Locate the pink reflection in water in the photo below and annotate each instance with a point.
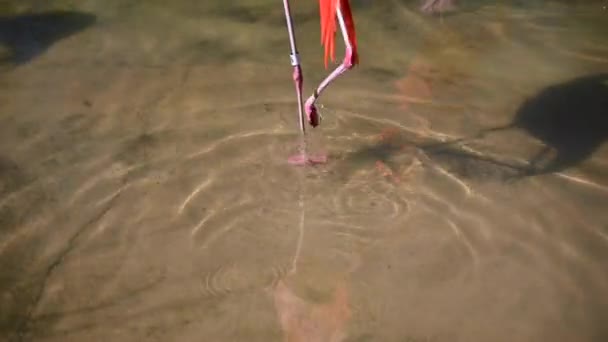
(303, 321)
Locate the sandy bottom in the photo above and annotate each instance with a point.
(146, 194)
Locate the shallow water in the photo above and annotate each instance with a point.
(145, 193)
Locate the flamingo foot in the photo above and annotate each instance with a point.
(438, 6)
(305, 159)
(314, 118)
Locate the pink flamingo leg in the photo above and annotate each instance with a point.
(302, 157)
(298, 77)
(298, 80)
(347, 64)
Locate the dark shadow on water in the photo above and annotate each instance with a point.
(570, 119)
(29, 35)
(401, 151)
(468, 165)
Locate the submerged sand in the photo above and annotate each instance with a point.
(145, 194)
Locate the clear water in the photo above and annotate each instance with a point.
(145, 194)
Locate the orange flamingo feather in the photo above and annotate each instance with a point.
(328, 9)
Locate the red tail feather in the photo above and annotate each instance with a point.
(327, 9)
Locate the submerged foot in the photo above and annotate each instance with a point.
(437, 6)
(307, 159)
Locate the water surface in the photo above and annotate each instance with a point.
(145, 194)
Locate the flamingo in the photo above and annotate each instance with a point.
(329, 11)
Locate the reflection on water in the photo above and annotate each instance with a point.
(145, 192)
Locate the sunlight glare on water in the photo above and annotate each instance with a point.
(145, 193)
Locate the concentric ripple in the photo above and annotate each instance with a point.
(240, 205)
(369, 201)
(241, 200)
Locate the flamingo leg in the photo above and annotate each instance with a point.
(347, 64)
(297, 75)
